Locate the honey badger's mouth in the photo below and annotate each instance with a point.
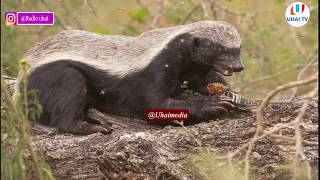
(222, 70)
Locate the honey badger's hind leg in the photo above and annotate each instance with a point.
(63, 95)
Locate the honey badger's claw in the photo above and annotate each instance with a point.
(103, 130)
(236, 98)
(222, 106)
(232, 97)
(218, 109)
(225, 98)
(226, 104)
(221, 103)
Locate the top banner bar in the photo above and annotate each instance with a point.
(29, 18)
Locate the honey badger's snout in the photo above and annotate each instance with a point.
(227, 65)
(237, 66)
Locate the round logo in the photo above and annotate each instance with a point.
(297, 14)
(10, 18)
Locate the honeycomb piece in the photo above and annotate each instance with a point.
(217, 88)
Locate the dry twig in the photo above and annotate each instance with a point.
(259, 117)
(297, 40)
(260, 133)
(263, 105)
(299, 148)
(91, 9)
(156, 18)
(56, 17)
(264, 78)
(289, 85)
(187, 17)
(142, 5)
(301, 73)
(278, 136)
(204, 10)
(222, 8)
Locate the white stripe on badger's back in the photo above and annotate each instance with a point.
(115, 55)
(122, 55)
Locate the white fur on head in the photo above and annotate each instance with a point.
(217, 31)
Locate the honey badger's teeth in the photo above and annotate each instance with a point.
(227, 73)
(222, 70)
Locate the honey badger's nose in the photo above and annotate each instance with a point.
(238, 67)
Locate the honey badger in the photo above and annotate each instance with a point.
(75, 69)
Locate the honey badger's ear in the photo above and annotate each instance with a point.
(193, 43)
(196, 42)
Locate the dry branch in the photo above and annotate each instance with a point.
(156, 18)
(260, 133)
(299, 155)
(222, 8)
(264, 78)
(59, 21)
(189, 14)
(91, 9)
(205, 14)
(301, 73)
(278, 89)
(259, 118)
(297, 40)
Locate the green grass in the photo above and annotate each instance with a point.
(16, 139)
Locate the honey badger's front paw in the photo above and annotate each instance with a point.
(220, 103)
(217, 104)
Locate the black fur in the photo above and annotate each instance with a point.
(66, 89)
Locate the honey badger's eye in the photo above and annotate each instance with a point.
(202, 43)
(221, 51)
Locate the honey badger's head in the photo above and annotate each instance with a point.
(216, 44)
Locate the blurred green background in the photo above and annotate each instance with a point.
(271, 49)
